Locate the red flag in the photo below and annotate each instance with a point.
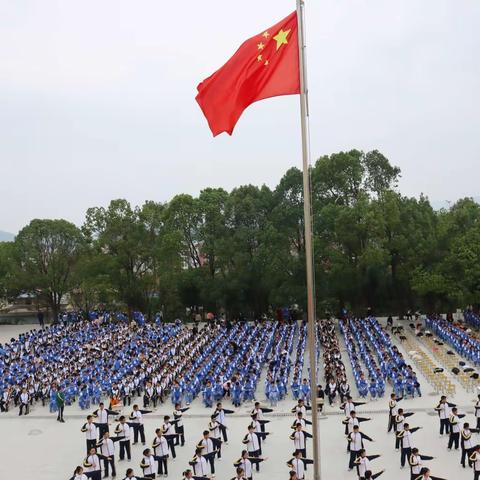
(264, 66)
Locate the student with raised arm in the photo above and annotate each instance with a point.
(129, 475)
(90, 430)
(161, 452)
(209, 446)
(107, 449)
(300, 419)
(78, 474)
(393, 411)
(102, 416)
(475, 459)
(168, 430)
(299, 438)
(352, 421)
(252, 441)
(349, 405)
(136, 419)
(92, 466)
(122, 431)
(355, 440)
(454, 420)
(416, 463)
(425, 475)
(467, 443)
(220, 413)
(371, 476)
(406, 442)
(298, 464)
(179, 427)
(363, 462)
(246, 462)
(188, 475)
(443, 410)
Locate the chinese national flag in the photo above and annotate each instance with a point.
(264, 66)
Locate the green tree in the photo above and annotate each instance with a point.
(46, 254)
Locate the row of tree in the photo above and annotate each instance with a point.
(244, 250)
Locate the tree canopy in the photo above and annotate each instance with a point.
(243, 251)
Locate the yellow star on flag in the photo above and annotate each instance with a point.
(267, 63)
(266, 34)
(260, 46)
(259, 58)
(281, 37)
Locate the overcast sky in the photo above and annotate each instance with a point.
(97, 98)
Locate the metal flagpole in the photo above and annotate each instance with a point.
(308, 240)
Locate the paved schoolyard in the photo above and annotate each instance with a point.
(37, 447)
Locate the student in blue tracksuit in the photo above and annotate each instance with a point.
(236, 394)
(176, 393)
(295, 387)
(208, 395)
(305, 391)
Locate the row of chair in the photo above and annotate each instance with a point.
(439, 381)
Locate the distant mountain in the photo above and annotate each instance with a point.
(6, 237)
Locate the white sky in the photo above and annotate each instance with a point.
(97, 98)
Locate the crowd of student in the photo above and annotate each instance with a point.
(456, 336)
(142, 365)
(368, 344)
(335, 375)
(91, 360)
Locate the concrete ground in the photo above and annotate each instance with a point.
(37, 447)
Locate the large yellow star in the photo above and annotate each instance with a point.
(281, 37)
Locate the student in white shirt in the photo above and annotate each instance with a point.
(416, 463)
(92, 465)
(179, 428)
(475, 459)
(245, 462)
(393, 411)
(136, 418)
(123, 432)
(107, 449)
(129, 475)
(303, 421)
(425, 475)
(78, 474)
(363, 462)
(199, 464)
(24, 402)
(148, 464)
(209, 446)
(454, 420)
(349, 406)
(160, 449)
(90, 430)
(188, 474)
(356, 444)
(477, 412)
(406, 439)
(443, 410)
(252, 441)
(220, 413)
(299, 438)
(102, 416)
(169, 431)
(467, 443)
(371, 476)
(299, 464)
